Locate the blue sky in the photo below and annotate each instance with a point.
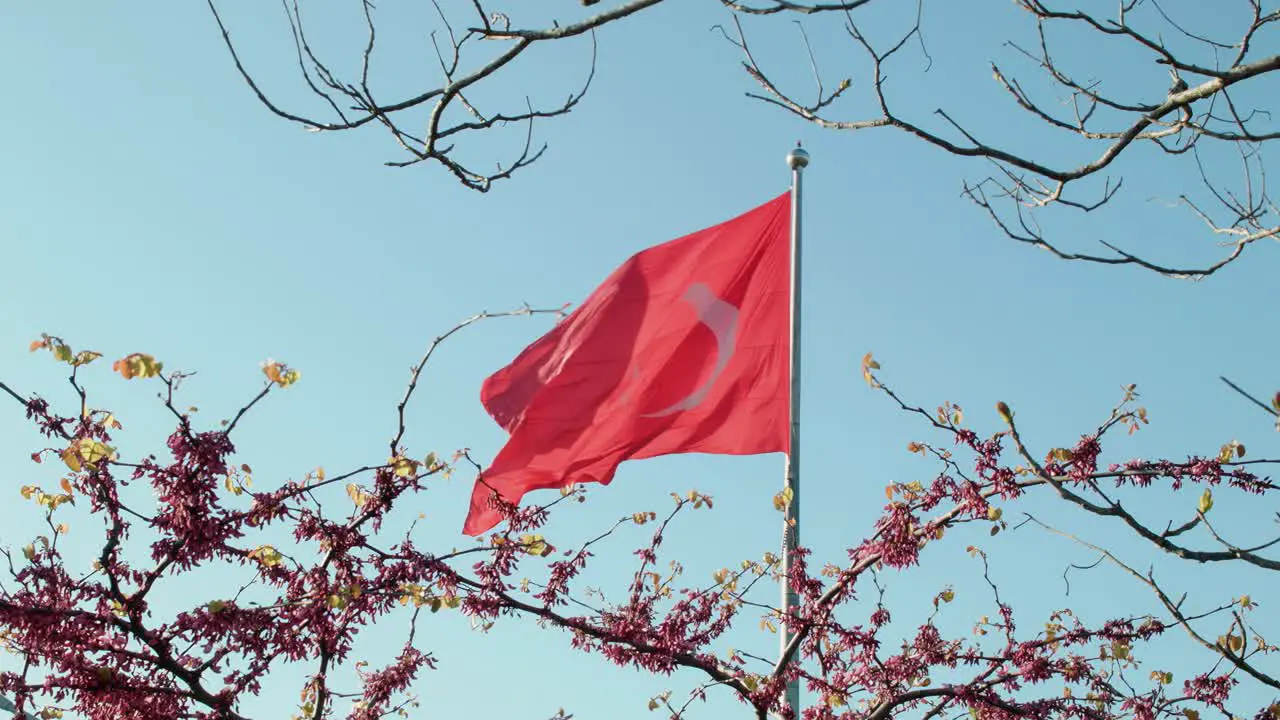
(148, 203)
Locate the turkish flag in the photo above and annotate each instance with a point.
(683, 349)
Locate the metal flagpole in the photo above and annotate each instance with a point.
(797, 159)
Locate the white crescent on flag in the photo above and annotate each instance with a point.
(721, 318)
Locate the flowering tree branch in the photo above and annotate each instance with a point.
(93, 643)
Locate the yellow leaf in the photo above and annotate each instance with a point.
(653, 704)
(86, 452)
(948, 595)
(267, 555)
(994, 513)
(783, 499)
(1060, 455)
(29, 490)
(337, 602)
(94, 451)
(61, 529)
(29, 551)
(403, 466)
(1206, 501)
(1230, 451)
(280, 374)
(71, 458)
(1005, 413)
(137, 365)
(869, 364)
(358, 496)
(216, 606)
(536, 545)
(54, 501)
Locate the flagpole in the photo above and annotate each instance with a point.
(797, 159)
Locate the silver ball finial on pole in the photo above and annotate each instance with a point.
(797, 158)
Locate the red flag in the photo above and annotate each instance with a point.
(683, 349)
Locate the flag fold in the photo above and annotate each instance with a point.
(682, 349)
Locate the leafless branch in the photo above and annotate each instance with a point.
(1177, 123)
(416, 372)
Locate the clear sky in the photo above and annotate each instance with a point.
(149, 203)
